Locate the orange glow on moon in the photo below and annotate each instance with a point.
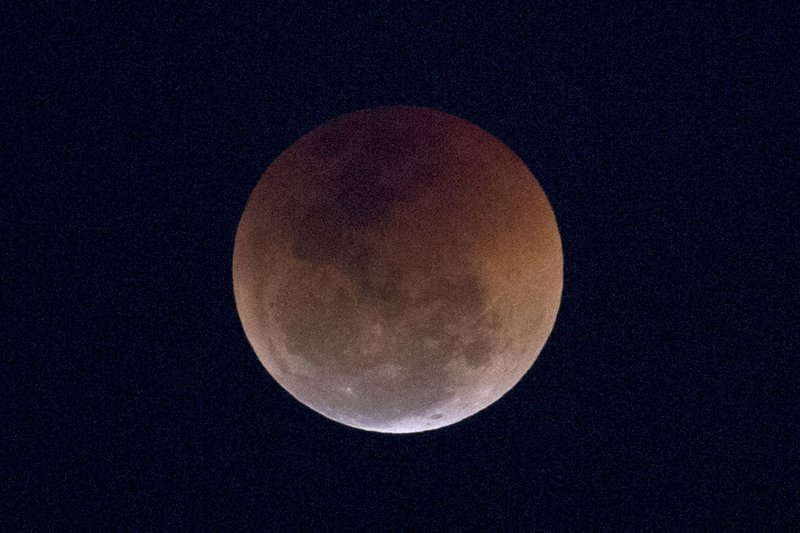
(397, 269)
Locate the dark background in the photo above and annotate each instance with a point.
(665, 138)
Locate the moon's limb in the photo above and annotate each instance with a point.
(397, 269)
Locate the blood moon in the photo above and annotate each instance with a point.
(397, 269)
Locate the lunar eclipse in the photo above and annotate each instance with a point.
(397, 269)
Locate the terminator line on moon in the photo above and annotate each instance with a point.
(397, 269)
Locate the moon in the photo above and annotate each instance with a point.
(397, 269)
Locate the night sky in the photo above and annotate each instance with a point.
(666, 140)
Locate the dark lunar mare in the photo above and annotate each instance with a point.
(334, 232)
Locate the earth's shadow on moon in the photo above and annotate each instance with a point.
(397, 269)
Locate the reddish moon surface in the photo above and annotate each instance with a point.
(397, 269)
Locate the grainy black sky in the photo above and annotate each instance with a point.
(665, 138)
